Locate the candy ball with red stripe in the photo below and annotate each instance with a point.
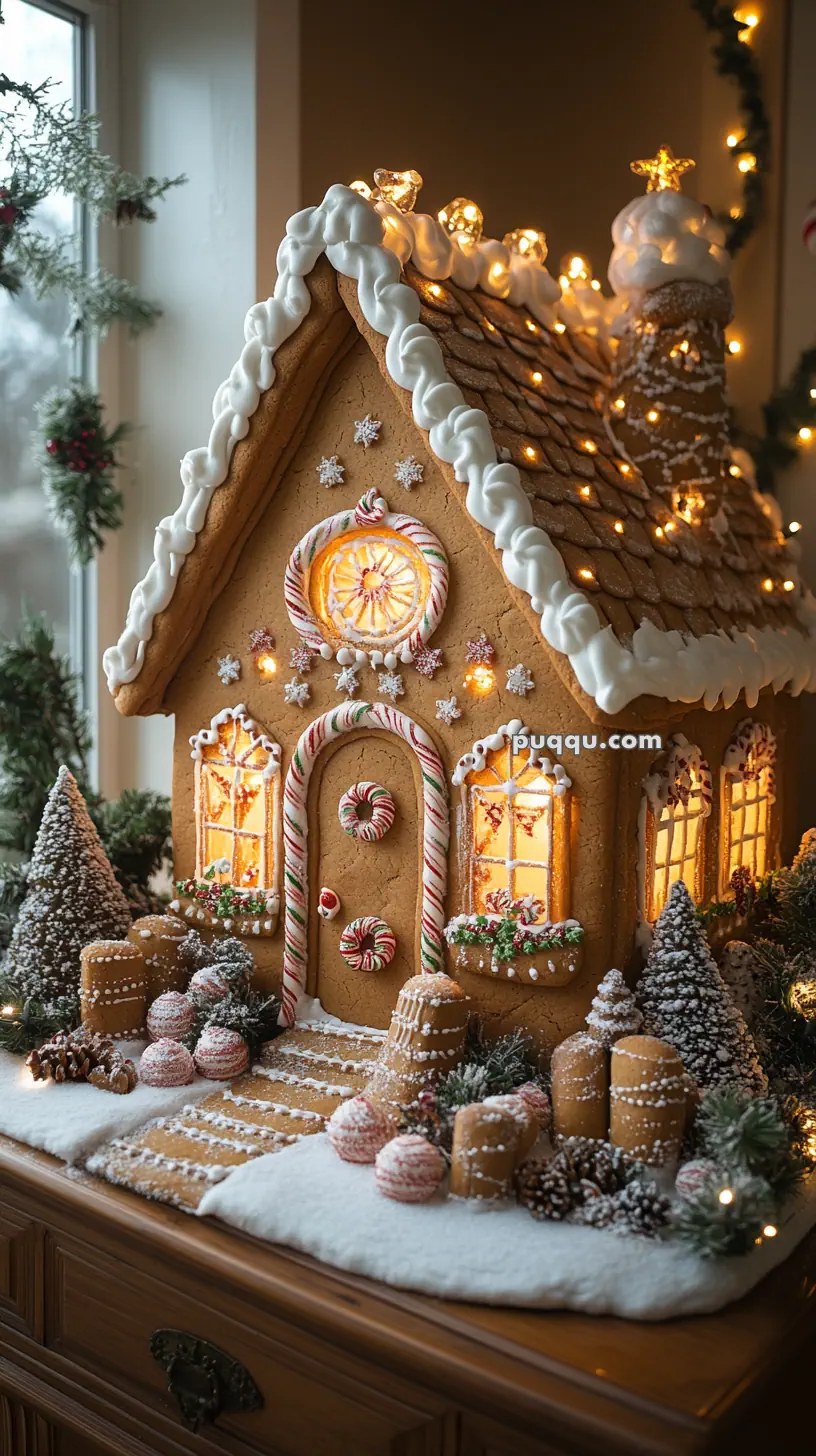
(358, 1129)
(221, 1054)
(409, 1169)
(166, 1063)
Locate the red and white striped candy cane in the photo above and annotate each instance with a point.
(435, 837)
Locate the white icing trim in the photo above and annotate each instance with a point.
(672, 780)
(477, 758)
(360, 245)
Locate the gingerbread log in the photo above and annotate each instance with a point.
(159, 939)
(490, 1139)
(426, 1038)
(648, 1096)
(580, 1087)
(113, 988)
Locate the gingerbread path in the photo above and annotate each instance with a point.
(288, 1094)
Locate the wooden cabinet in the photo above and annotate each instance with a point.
(93, 1280)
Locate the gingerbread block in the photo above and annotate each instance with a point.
(580, 1087)
(159, 939)
(648, 1097)
(490, 1139)
(425, 1039)
(113, 988)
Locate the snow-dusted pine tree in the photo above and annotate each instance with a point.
(614, 1013)
(73, 898)
(686, 1002)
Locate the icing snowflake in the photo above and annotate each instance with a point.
(427, 659)
(367, 431)
(347, 681)
(480, 649)
(519, 680)
(447, 710)
(301, 658)
(330, 471)
(229, 669)
(296, 692)
(390, 685)
(409, 471)
(261, 640)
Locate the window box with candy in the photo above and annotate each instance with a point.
(508, 944)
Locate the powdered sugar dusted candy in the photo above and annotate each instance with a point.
(166, 1063)
(409, 1169)
(171, 1015)
(358, 1129)
(208, 985)
(538, 1102)
(221, 1054)
(692, 1175)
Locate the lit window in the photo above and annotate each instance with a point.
(748, 791)
(237, 783)
(677, 802)
(518, 831)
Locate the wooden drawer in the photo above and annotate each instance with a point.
(20, 1282)
(101, 1313)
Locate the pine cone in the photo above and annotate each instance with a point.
(641, 1209)
(544, 1189)
(80, 1056)
(588, 1160)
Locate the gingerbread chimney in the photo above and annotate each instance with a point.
(667, 406)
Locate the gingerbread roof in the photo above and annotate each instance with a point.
(639, 602)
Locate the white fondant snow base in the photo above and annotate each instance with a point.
(71, 1120)
(306, 1197)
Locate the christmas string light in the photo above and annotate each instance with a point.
(528, 243)
(462, 219)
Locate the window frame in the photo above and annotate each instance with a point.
(680, 773)
(209, 738)
(750, 755)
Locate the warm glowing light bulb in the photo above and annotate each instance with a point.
(537, 376)
(480, 680)
(732, 139)
(618, 526)
(435, 290)
(624, 468)
(559, 328)
(659, 532)
(663, 171)
(585, 491)
(528, 243)
(735, 471)
(813, 394)
(794, 527)
(401, 189)
(497, 272)
(670, 526)
(530, 452)
(805, 434)
(788, 584)
(726, 1196)
(749, 20)
(9, 1010)
(653, 416)
(767, 584)
(734, 346)
(586, 574)
(576, 267)
(266, 665)
(590, 447)
(593, 283)
(735, 213)
(747, 162)
(462, 219)
(619, 404)
(362, 188)
(770, 1231)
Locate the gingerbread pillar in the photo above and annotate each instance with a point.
(648, 1099)
(490, 1139)
(113, 988)
(159, 939)
(580, 1087)
(426, 1038)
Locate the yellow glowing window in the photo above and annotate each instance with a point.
(518, 834)
(237, 779)
(748, 794)
(676, 806)
(370, 587)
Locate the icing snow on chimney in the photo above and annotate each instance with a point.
(667, 406)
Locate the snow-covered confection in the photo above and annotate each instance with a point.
(409, 1169)
(358, 1128)
(220, 1053)
(390, 685)
(348, 681)
(171, 1015)
(534, 1097)
(685, 1002)
(166, 1063)
(229, 669)
(427, 659)
(296, 692)
(614, 1012)
(694, 1174)
(409, 472)
(448, 710)
(664, 237)
(367, 431)
(208, 985)
(519, 680)
(330, 471)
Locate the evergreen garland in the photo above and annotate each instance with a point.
(78, 458)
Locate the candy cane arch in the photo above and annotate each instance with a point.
(435, 837)
(371, 510)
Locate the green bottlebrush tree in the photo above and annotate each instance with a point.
(78, 459)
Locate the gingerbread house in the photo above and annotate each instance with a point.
(475, 636)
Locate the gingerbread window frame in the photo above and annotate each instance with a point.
(677, 796)
(747, 797)
(234, 752)
(479, 778)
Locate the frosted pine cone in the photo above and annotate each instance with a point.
(641, 1209)
(544, 1189)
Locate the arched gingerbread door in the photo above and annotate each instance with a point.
(401, 875)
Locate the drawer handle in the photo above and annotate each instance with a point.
(204, 1380)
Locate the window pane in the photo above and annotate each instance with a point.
(34, 354)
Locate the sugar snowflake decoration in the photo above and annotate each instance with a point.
(519, 680)
(347, 681)
(367, 431)
(409, 472)
(427, 659)
(390, 685)
(480, 650)
(448, 710)
(296, 692)
(261, 640)
(330, 471)
(301, 658)
(229, 669)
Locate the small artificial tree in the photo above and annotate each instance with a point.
(686, 1003)
(73, 898)
(614, 1013)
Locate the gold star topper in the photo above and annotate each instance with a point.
(663, 171)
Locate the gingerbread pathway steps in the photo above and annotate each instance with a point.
(289, 1093)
